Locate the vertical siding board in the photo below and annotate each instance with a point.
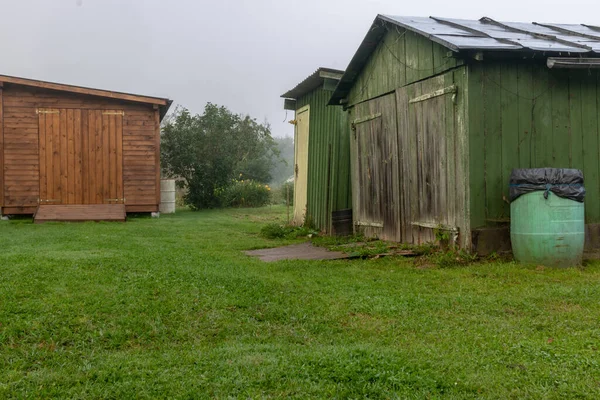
(77, 139)
(42, 153)
(97, 168)
(157, 155)
(56, 164)
(49, 120)
(597, 105)
(575, 119)
(106, 173)
(112, 139)
(403, 161)
(449, 163)
(70, 156)
(477, 89)
(542, 118)
(525, 102)
(325, 192)
(401, 58)
(85, 155)
(463, 178)
(2, 166)
(64, 172)
(561, 129)
(509, 99)
(119, 156)
(493, 138)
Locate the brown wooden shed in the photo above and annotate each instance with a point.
(74, 153)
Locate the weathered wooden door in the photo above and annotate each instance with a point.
(81, 156)
(431, 156)
(375, 180)
(301, 165)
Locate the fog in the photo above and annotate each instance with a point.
(236, 53)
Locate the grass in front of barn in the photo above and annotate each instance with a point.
(172, 308)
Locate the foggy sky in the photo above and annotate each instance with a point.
(239, 53)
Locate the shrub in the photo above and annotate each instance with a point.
(245, 193)
(276, 231)
(280, 194)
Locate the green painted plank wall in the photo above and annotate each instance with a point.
(328, 158)
(401, 58)
(524, 115)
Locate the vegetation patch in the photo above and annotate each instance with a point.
(173, 308)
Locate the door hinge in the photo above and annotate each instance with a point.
(50, 201)
(114, 113)
(122, 200)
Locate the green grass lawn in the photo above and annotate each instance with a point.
(172, 308)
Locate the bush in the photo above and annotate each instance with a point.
(276, 231)
(280, 194)
(245, 193)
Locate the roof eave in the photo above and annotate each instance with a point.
(161, 102)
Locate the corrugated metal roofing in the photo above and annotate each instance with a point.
(488, 34)
(485, 34)
(314, 81)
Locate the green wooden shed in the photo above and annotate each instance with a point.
(441, 110)
(322, 156)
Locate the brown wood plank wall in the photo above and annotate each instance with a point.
(139, 148)
(1, 148)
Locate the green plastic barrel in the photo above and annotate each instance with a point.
(548, 232)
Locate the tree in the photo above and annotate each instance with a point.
(206, 152)
(283, 169)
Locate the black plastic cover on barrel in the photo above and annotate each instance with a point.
(563, 182)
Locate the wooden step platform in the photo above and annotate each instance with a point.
(77, 213)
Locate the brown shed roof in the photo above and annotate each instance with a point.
(162, 103)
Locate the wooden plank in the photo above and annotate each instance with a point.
(436, 93)
(141, 208)
(157, 156)
(106, 173)
(83, 90)
(98, 168)
(493, 145)
(85, 157)
(452, 191)
(78, 157)
(2, 161)
(119, 157)
(113, 155)
(64, 158)
(366, 118)
(19, 210)
(50, 149)
(42, 158)
(509, 103)
(542, 118)
(91, 165)
(560, 146)
(70, 157)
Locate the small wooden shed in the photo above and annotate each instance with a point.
(321, 150)
(441, 110)
(75, 153)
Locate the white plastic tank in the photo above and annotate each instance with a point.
(167, 196)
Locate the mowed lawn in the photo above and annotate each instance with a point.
(172, 308)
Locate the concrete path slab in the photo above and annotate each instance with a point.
(303, 251)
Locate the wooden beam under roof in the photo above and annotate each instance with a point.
(84, 90)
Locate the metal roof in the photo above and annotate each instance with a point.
(313, 82)
(485, 34)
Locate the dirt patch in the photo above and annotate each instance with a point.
(303, 251)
